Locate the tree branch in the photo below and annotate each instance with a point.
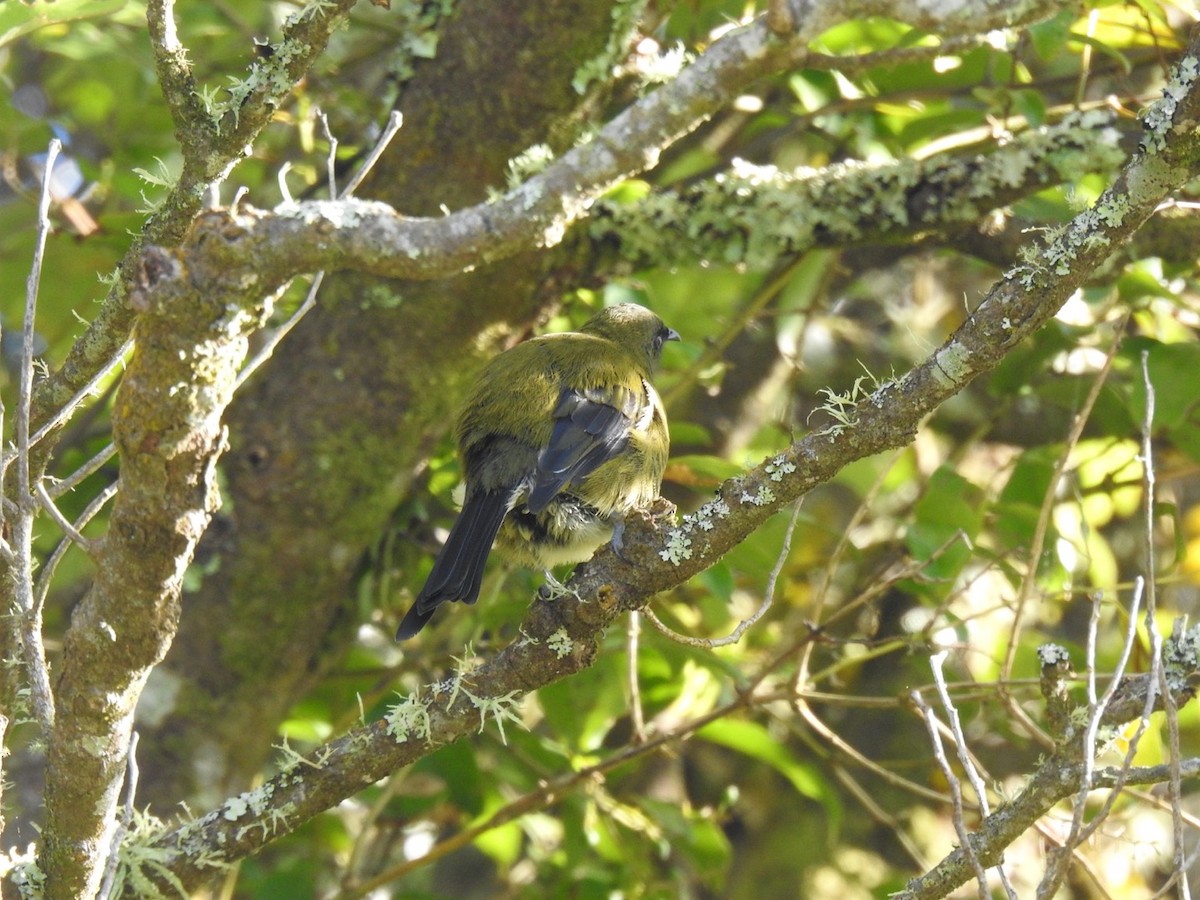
(774, 214)
(562, 637)
(1067, 770)
(211, 148)
(190, 339)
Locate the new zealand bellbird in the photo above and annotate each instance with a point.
(559, 438)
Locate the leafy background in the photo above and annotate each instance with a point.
(830, 789)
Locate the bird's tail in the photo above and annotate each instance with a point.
(458, 570)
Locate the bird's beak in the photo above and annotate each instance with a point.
(673, 335)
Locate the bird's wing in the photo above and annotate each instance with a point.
(591, 426)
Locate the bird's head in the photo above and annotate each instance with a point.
(633, 328)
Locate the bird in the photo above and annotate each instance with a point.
(559, 438)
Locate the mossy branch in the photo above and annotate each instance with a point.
(191, 338)
(210, 146)
(563, 637)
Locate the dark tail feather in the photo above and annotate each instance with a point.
(458, 570)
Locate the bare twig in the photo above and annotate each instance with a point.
(394, 123)
(46, 575)
(632, 634)
(114, 851)
(936, 662)
(1150, 481)
(395, 120)
(1029, 582)
(1057, 868)
(60, 520)
(26, 503)
(960, 825)
(57, 488)
(79, 397)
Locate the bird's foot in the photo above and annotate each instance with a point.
(552, 589)
(618, 541)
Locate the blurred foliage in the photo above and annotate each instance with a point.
(987, 536)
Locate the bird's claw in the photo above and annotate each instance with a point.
(552, 589)
(618, 542)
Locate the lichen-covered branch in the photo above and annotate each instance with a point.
(751, 215)
(196, 315)
(212, 140)
(1064, 772)
(562, 637)
(1020, 303)
(755, 214)
(539, 211)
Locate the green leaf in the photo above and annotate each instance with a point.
(583, 725)
(950, 506)
(19, 19)
(1172, 369)
(1049, 37)
(754, 741)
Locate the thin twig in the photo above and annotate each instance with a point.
(310, 299)
(122, 829)
(60, 520)
(1061, 855)
(268, 348)
(394, 123)
(331, 156)
(68, 409)
(545, 795)
(57, 488)
(46, 575)
(1175, 784)
(22, 527)
(637, 718)
(960, 825)
(1150, 480)
(936, 662)
(1029, 583)
(893, 827)
(848, 750)
(1096, 717)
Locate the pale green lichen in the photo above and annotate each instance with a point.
(1160, 115)
(679, 541)
(841, 406)
(1181, 657)
(409, 719)
(751, 215)
(762, 497)
(651, 64)
(679, 547)
(527, 164)
(254, 803)
(952, 364)
(1053, 655)
(143, 864)
(310, 10)
(779, 467)
(270, 821)
(560, 643)
(294, 760)
(267, 76)
(498, 708)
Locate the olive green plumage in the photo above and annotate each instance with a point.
(559, 438)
